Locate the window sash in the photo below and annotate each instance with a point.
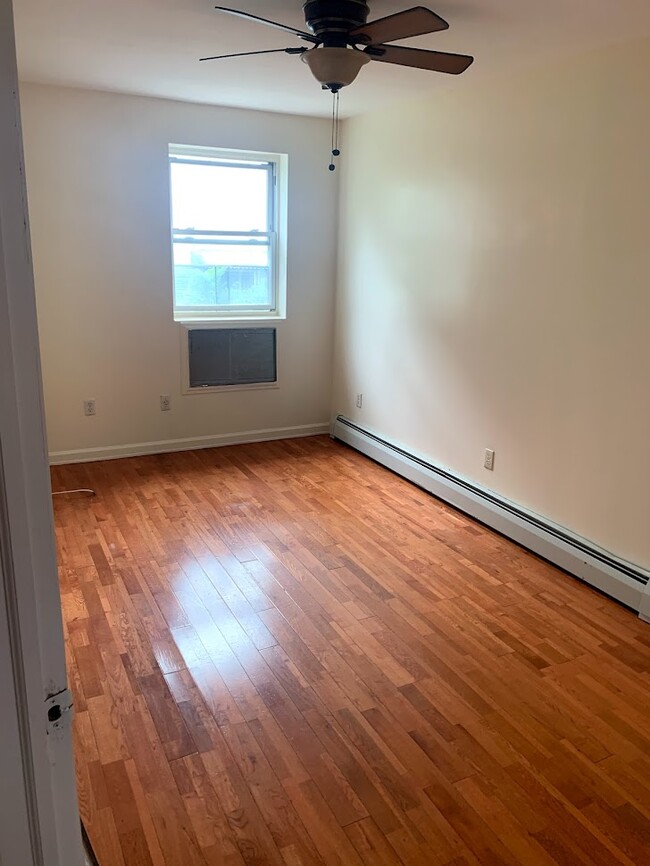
(217, 237)
(268, 167)
(271, 307)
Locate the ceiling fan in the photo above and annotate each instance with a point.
(343, 41)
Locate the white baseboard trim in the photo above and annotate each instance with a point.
(140, 449)
(624, 581)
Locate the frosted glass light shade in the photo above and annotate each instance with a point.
(335, 67)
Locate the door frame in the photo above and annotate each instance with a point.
(40, 825)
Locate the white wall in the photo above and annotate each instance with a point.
(495, 287)
(99, 204)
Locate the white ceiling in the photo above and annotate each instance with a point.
(152, 47)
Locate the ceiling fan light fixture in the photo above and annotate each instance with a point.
(335, 68)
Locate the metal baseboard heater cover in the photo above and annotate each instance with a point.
(621, 580)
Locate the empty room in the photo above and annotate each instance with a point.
(325, 433)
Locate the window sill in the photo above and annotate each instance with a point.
(230, 320)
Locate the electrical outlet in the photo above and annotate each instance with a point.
(359, 401)
(89, 407)
(489, 459)
(165, 402)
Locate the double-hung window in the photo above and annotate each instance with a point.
(228, 247)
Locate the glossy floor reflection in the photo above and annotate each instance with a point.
(284, 654)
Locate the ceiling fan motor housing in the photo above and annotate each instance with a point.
(332, 20)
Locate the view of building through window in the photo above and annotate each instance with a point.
(223, 215)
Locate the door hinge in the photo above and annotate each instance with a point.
(59, 711)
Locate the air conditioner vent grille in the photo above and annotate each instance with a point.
(232, 356)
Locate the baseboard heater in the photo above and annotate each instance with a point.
(617, 578)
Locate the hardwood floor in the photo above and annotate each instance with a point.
(284, 654)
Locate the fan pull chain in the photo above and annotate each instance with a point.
(336, 129)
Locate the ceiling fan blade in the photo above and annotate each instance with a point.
(248, 53)
(301, 33)
(402, 25)
(435, 61)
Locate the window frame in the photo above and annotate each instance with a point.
(276, 164)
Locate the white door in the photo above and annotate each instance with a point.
(39, 819)
(15, 837)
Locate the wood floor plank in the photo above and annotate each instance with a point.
(282, 653)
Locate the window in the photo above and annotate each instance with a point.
(228, 238)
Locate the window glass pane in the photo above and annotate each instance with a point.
(219, 198)
(222, 274)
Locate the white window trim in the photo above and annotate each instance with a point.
(281, 163)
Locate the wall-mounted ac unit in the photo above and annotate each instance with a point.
(231, 356)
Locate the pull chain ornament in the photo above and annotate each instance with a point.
(336, 129)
